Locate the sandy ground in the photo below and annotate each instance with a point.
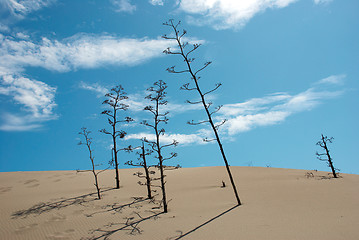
(277, 204)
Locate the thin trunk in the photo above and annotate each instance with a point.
(116, 164)
(329, 158)
(97, 187)
(160, 159)
(164, 201)
(115, 150)
(148, 179)
(210, 120)
(96, 180)
(94, 172)
(218, 141)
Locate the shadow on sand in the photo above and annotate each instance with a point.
(182, 235)
(117, 208)
(131, 221)
(130, 224)
(48, 206)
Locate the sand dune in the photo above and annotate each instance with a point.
(277, 204)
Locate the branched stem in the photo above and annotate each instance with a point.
(201, 94)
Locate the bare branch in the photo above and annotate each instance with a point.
(103, 170)
(195, 46)
(185, 87)
(205, 66)
(168, 50)
(130, 149)
(172, 70)
(105, 131)
(220, 124)
(144, 122)
(208, 105)
(120, 134)
(173, 155)
(183, 33)
(216, 109)
(174, 143)
(107, 112)
(190, 102)
(172, 167)
(196, 123)
(208, 140)
(214, 89)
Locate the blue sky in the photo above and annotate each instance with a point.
(289, 70)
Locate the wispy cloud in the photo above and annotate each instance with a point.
(182, 139)
(23, 7)
(224, 14)
(123, 6)
(156, 2)
(99, 90)
(15, 10)
(79, 51)
(333, 80)
(245, 116)
(20, 123)
(37, 99)
(256, 112)
(137, 101)
(322, 1)
(272, 109)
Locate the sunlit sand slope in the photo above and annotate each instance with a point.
(277, 204)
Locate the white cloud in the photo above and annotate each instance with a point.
(123, 6)
(248, 122)
(224, 14)
(37, 99)
(334, 79)
(245, 116)
(4, 28)
(24, 7)
(36, 96)
(22, 35)
(254, 105)
(256, 112)
(182, 139)
(307, 100)
(15, 10)
(13, 122)
(156, 2)
(79, 51)
(322, 1)
(90, 52)
(270, 110)
(95, 87)
(137, 101)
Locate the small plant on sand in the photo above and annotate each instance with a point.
(142, 162)
(309, 175)
(114, 101)
(323, 143)
(185, 51)
(157, 96)
(88, 142)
